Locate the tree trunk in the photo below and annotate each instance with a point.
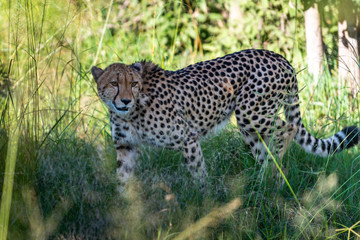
(314, 41)
(348, 33)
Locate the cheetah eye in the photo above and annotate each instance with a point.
(114, 83)
(133, 84)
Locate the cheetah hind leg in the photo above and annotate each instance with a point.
(257, 148)
(284, 135)
(278, 143)
(262, 157)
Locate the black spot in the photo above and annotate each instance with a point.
(334, 147)
(352, 136)
(119, 163)
(128, 148)
(315, 146)
(120, 134)
(328, 147)
(340, 139)
(323, 145)
(257, 152)
(303, 132)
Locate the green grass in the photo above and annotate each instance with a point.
(64, 181)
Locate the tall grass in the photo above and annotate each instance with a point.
(58, 161)
(8, 181)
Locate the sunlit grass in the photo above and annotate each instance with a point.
(53, 126)
(8, 181)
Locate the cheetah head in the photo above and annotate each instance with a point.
(119, 86)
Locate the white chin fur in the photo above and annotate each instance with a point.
(122, 110)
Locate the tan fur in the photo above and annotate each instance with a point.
(174, 109)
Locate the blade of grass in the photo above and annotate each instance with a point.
(52, 128)
(8, 183)
(175, 33)
(103, 33)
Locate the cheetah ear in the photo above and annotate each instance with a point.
(96, 72)
(138, 67)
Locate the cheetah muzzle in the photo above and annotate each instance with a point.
(174, 109)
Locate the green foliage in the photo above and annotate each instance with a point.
(210, 28)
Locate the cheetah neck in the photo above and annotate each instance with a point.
(120, 118)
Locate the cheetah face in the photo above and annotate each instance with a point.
(119, 86)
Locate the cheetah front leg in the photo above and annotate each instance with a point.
(125, 163)
(194, 159)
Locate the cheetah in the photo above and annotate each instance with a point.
(175, 109)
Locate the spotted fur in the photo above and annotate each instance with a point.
(174, 109)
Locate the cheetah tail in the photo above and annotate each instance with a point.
(346, 138)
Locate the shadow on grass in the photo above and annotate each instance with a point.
(65, 190)
(61, 190)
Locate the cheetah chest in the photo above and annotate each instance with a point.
(124, 134)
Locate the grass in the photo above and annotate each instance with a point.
(64, 183)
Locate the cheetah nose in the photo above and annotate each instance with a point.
(126, 101)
